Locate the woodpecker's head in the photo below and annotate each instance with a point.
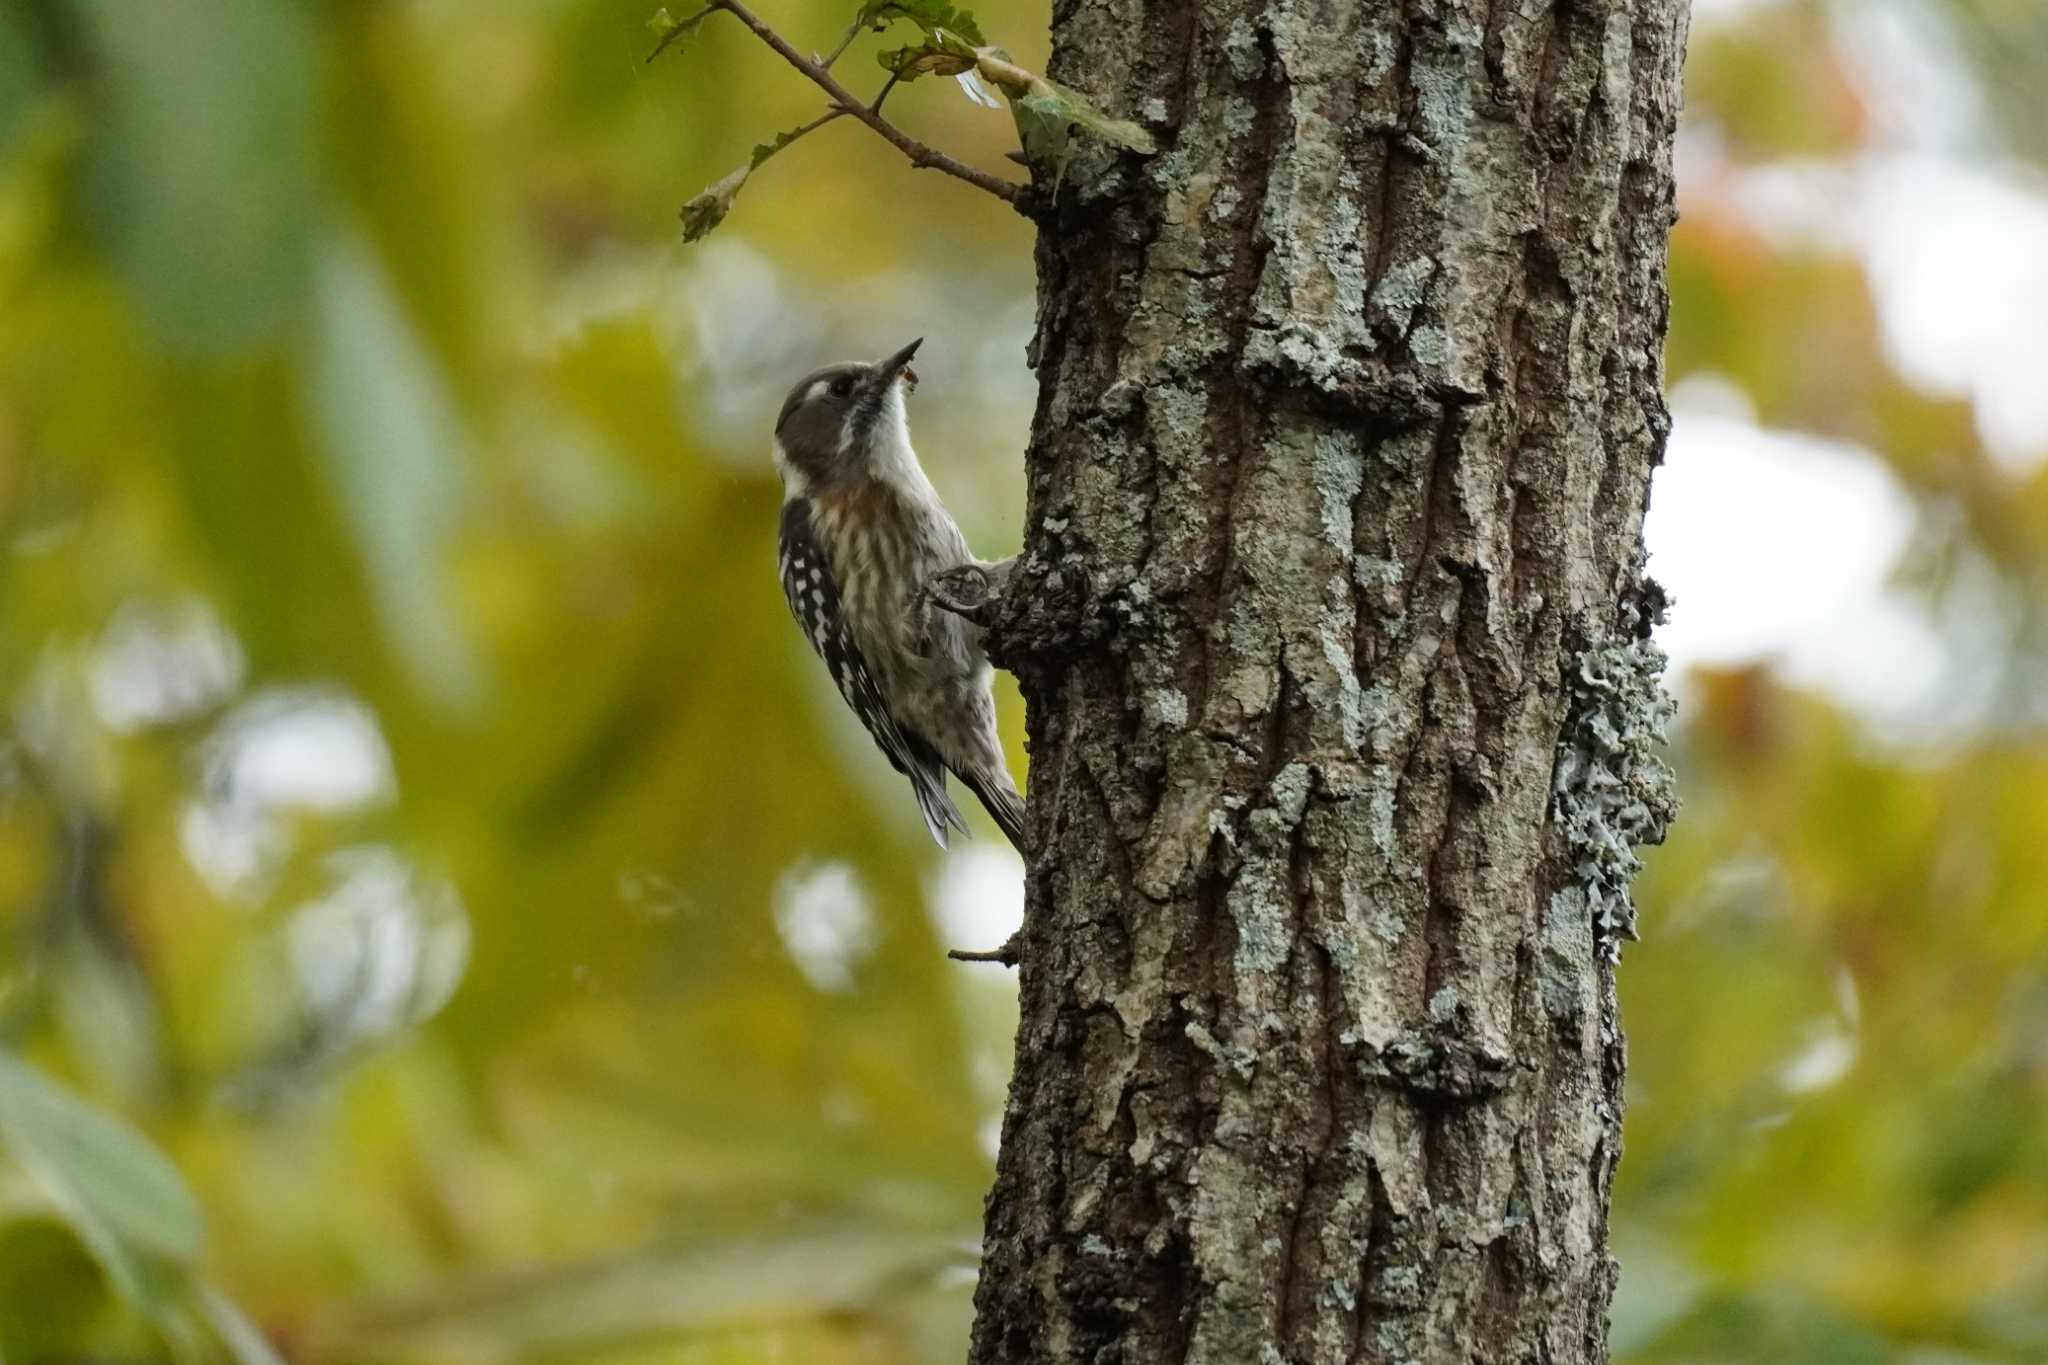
(836, 420)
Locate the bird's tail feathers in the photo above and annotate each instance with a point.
(998, 795)
(940, 814)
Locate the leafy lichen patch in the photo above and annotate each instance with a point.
(1613, 793)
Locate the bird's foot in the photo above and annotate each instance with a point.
(970, 590)
(1008, 955)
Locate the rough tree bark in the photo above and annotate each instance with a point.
(1331, 621)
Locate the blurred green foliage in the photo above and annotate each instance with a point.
(444, 915)
(352, 384)
(1837, 1139)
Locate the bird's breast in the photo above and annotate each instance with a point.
(883, 547)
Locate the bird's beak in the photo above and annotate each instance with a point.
(886, 372)
(872, 398)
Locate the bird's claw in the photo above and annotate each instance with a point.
(969, 590)
(961, 590)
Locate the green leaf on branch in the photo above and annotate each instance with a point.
(1057, 101)
(935, 17)
(944, 52)
(1046, 135)
(908, 63)
(707, 209)
(1050, 108)
(1047, 114)
(671, 30)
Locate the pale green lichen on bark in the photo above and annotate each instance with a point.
(1613, 793)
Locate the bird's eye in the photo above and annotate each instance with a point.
(842, 386)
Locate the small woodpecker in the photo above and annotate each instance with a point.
(862, 532)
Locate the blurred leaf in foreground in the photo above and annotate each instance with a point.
(203, 161)
(125, 1200)
(394, 458)
(576, 1309)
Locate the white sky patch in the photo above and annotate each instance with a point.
(826, 926)
(235, 849)
(1957, 255)
(1960, 261)
(1706, 12)
(384, 947)
(1954, 241)
(1847, 998)
(1918, 90)
(156, 665)
(1832, 1045)
(740, 312)
(312, 749)
(1778, 548)
(1824, 1061)
(977, 900)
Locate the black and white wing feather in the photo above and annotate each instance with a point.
(814, 599)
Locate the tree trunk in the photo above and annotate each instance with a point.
(1331, 621)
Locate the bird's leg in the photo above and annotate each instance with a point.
(970, 591)
(1007, 955)
(920, 608)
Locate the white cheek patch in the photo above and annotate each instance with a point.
(817, 390)
(793, 481)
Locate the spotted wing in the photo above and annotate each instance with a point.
(814, 599)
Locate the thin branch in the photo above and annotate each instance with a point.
(919, 154)
(1008, 955)
(875, 106)
(844, 43)
(707, 208)
(819, 122)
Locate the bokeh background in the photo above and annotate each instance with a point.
(445, 915)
